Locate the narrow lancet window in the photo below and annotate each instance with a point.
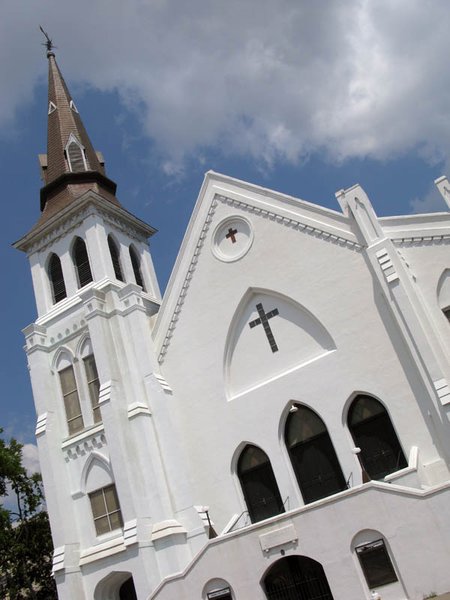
(81, 260)
(93, 385)
(56, 279)
(69, 388)
(312, 455)
(259, 485)
(373, 432)
(136, 267)
(114, 251)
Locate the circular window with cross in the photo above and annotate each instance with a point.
(232, 239)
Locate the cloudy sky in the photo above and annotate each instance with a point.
(305, 97)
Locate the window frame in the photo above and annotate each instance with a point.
(367, 549)
(83, 272)
(101, 492)
(66, 394)
(55, 262)
(136, 266)
(114, 253)
(93, 385)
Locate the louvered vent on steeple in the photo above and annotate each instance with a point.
(75, 155)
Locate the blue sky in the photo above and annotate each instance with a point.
(305, 98)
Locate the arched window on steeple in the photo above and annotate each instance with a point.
(81, 261)
(312, 455)
(136, 263)
(114, 251)
(258, 483)
(56, 279)
(75, 155)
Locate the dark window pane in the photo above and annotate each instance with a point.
(312, 454)
(259, 485)
(376, 564)
(113, 250)
(81, 260)
(136, 267)
(56, 279)
(372, 431)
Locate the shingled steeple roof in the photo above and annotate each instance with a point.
(71, 166)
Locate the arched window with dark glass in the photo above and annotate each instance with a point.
(114, 252)
(312, 455)
(56, 279)
(373, 432)
(81, 261)
(258, 484)
(136, 264)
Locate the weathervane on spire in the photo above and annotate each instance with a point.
(48, 44)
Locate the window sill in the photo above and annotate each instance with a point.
(82, 435)
(104, 549)
(411, 468)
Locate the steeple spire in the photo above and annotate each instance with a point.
(71, 166)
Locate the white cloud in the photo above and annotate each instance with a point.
(30, 458)
(273, 80)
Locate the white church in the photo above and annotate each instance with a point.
(276, 427)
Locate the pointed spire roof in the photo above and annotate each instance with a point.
(71, 166)
(64, 122)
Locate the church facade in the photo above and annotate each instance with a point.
(275, 427)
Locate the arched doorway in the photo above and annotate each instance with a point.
(127, 590)
(296, 578)
(258, 484)
(372, 431)
(312, 455)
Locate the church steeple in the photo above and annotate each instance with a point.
(71, 165)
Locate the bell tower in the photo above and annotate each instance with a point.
(121, 511)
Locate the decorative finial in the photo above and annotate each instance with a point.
(48, 44)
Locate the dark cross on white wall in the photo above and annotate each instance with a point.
(231, 235)
(263, 320)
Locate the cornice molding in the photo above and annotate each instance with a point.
(422, 240)
(90, 203)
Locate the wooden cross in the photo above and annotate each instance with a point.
(230, 235)
(263, 320)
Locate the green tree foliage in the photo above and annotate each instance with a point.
(25, 539)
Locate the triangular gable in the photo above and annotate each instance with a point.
(219, 190)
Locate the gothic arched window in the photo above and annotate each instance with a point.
(56, 279)
(72, 405)
(81, 260)
(114, 252)
(136, 263)
(258, 484)
(93, 383)
(372, 431)
(312, 455)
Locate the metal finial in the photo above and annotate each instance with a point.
(48, 44)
